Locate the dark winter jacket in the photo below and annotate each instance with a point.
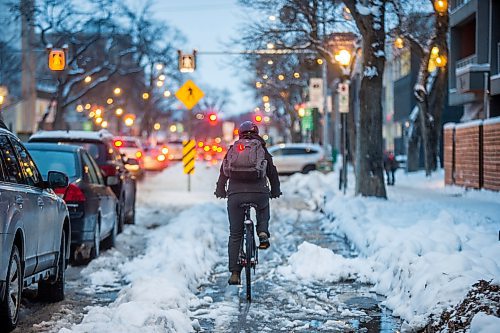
(253, 186)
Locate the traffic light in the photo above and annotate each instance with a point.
(212, 118)
(258, 118)
(57, 59)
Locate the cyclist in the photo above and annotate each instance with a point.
(251, 191)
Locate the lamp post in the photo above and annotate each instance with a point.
(343, 58)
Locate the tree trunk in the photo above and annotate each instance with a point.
(369, 144)
(59, 123)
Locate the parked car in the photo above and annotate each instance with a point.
(34, 230)
(93, 207)
(100, 146)
(296, 157)
(131, 148)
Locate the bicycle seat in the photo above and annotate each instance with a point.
(248, 205)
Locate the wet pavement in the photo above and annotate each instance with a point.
(283, 305)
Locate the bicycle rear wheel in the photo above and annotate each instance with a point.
(248, 267)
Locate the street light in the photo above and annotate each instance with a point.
(167, 93)
(441, 6)
(119, 111)
(157, 126)
(343, 58)
(145, 96)
(117, 91)
(87, 79)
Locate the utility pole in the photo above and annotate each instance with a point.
(28, 70)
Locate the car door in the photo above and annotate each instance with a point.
(96, 183)
(24, 202)
(10, 217)
(44, 209)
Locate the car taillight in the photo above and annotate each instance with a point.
(109, 170)
(160, 158)
(164, 150)
(138, 154)
(60, 191)
(118, 143)
(72, 193)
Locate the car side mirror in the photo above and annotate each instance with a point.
(56, 179)
(112, 180)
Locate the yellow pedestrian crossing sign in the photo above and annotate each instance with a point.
(188, 156)
(189, 94)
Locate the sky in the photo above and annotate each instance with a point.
(208, 26)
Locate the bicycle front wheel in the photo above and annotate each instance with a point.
(248, 267)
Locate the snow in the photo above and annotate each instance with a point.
(363, 10)
(379, 53)
(468, 124)
(370, 71)
(491, 121)
(422, 249)
(96, 135)
(484, 323)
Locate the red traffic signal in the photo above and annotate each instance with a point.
(212, 118)
(258, 118)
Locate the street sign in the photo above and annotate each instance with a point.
(308, 120)
(57, 59)
(343, 97)
(187, 62)
(188, 156)
(316, 93)
(189, 94)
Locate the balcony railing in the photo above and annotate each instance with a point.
(466, 61)
(457, 4)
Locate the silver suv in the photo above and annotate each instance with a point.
(296, 157)
(34, 230)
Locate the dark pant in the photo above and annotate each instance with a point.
(390, 176)
(236, 218)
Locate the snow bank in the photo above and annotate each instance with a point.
(423, 248)
(312, 262)
(483, 323)
(162, 283)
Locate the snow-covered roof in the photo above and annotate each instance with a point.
(449, 125)
(75, 135)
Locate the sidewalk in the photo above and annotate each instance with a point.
(425, 246)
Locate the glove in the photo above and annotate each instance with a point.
(275, 194)
(220, 192)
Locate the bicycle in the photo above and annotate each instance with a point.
(249, 254)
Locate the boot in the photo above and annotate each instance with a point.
(263, 241)
(235, 278)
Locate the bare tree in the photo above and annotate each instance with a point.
(430, 88)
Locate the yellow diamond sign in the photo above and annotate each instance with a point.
(189, 94)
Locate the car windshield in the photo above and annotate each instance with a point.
(47, 160)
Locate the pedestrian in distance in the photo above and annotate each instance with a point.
(251, 177)
(390, 167)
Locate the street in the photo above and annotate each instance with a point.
(279, 304)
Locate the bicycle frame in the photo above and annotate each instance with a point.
(248, 249)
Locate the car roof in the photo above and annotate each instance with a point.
(53, 147)
(73, 135)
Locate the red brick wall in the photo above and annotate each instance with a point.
(448, 154)
(491, 156)
(467, 156)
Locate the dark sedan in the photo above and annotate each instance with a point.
(100, 146)
(92, 205)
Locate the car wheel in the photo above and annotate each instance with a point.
(110, 241)
(53, 291)
(308, 168)
(131, 218)
(9, 308)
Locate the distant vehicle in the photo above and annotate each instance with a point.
(93, 207)
(296, 157)
(131, 147)
(174, 150)
(100, 145)
(155, 159)
(35, 230)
